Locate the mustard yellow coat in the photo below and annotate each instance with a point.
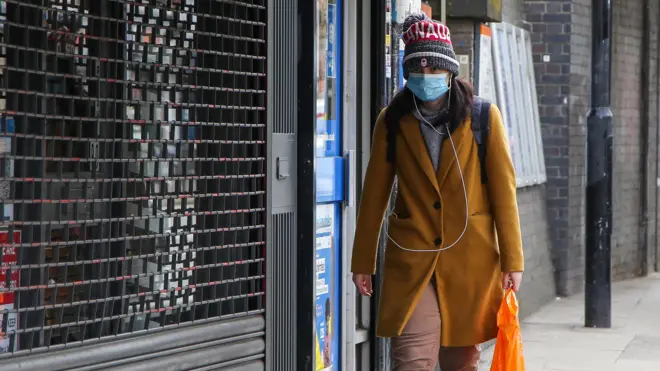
(468, 275)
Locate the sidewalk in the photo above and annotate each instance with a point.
(555, 339)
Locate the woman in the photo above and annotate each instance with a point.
(454, 242)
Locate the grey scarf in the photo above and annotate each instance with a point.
(432, 138)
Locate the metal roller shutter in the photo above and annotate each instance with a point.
(133, 161)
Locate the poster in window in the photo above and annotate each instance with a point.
(506, 100)
(332, 40)
(8, 171)
(486, 74)
(326, 304)
(8, 273)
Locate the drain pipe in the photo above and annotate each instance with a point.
(656, 257)
(644, 138)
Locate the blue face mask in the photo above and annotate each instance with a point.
(428, 87)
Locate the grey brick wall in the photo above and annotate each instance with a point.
(551, 46)
(561, 32)
(654, 117)
(538, 286)
(578, 106)
(512, 11)
(631, 48)
(627, 110)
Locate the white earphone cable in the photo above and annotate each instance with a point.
(460, 171)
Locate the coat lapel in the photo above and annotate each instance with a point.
(413, 136)
(448, 159)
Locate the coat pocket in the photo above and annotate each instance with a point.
(399, 225)
(482, 228)
(403, 233)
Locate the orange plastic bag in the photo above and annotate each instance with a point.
(508, 354)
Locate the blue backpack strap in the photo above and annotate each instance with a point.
(480, 130)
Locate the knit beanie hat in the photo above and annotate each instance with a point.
(428, 44)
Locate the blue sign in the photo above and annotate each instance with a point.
(327, 138)
(330, 179)
(332, 41)
(327, 286)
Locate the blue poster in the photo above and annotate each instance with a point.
(326, 303)
(332, 40)
(327, 138)
(8, 171)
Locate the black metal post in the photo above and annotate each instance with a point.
(598, 287)
(380, 98)
(306, 198)
(378, 58)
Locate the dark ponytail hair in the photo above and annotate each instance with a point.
(460, 97)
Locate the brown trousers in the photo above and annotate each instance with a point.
(418, 347)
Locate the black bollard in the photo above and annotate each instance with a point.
(598, 285)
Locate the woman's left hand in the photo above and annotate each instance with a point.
(512, 280)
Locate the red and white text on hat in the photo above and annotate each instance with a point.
(426, 31)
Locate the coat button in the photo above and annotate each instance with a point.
(438, 241)
(436, 205)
